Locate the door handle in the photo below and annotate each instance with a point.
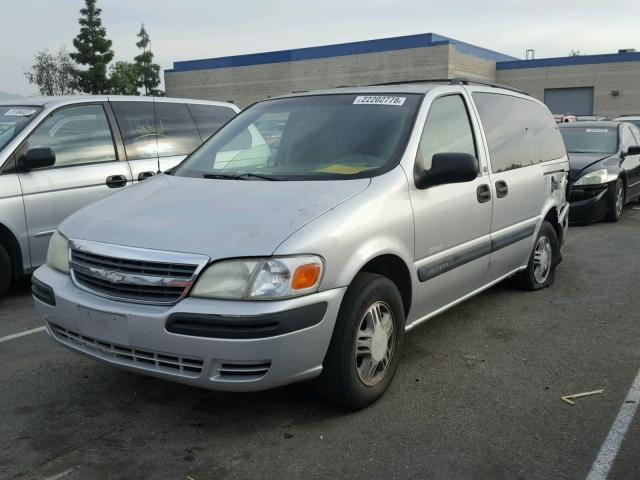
(484, 193)
(145, 175)
(116, 181)
(502, 189)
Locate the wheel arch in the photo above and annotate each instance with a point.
(9, 241)
(395, 269)
(553, 217)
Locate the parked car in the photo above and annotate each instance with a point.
(377, 209)
(605, 169)
(59, 154)
(564, 118)
(634, 119)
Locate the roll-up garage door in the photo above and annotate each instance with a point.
(578, 101)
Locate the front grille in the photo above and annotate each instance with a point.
(136, 279)
(130, 291)
(133, 266)
(161, 362)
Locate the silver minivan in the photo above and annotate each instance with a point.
(365, 212)
(58, 154)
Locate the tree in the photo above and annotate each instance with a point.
(124, 78)
(149, 72)
(574, 53)
(93, 49)
(53, 73)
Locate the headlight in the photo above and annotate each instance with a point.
(260, 279)
(58, 253)
(594, 178)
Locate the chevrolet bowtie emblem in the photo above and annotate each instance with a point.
(113, 277)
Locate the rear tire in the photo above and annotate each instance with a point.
(364, 352)
(6, 270)
(541, 269)
(615, 201)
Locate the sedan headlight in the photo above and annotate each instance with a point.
(260, 279)
(594, 178)
(58, 253)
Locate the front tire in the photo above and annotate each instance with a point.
(6, 270)
(541, 269)
(364, 352)
(616, 201)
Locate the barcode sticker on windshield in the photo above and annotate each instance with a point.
(379, 100)
(20, 112)
(597, 130)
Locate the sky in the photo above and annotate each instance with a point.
(192, 29)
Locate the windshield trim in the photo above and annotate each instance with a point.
(398, 156)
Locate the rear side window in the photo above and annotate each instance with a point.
(138, 126)
(209, 118)
(519, 132)
(447, 130)
(177, 134)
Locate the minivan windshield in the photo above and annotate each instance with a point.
(590, 139)
(311, 137)
(13, 119)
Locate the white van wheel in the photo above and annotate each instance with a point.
(5, 271)
(364, 352)
(541, 269)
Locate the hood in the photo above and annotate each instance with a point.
(580, 161)
(219, 218)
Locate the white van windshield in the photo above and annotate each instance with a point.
(309, 137)
(13, 119)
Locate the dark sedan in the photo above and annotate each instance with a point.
(604, 161)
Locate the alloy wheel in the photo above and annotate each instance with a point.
(375, 343)
(542, 258)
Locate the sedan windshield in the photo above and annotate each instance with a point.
(13, 120)
(590, 139)
(308, 138)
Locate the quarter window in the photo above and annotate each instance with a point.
(77, 135)
(520, 132)
(209, 118)
(137, 124)
(447, 130)
(177, 133)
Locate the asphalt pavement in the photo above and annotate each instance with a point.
(477, 395)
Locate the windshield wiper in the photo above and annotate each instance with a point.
(242, 176)
(273, 178)
(220, 176)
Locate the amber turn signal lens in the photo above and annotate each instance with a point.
(305, 276)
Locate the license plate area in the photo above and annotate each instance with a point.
(105, 326)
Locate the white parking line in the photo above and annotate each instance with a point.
(21, 334)
(611, 446)
(61, 474)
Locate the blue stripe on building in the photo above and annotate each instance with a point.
(339, 50)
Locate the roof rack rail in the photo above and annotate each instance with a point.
(451, 81)
(403, 82)
(470, 81)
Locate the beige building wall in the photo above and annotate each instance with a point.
(461, 65)
(605, 78)
(246, 85)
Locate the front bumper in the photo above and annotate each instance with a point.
(135, 337)
(588, 204)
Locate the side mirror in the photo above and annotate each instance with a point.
(633, 150)
(447, 168)
(37, 158)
